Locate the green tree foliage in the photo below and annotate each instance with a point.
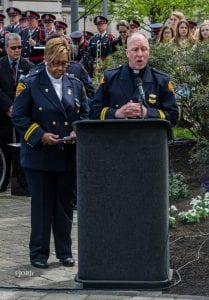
(155, 10)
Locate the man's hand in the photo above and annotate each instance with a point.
(131, 110)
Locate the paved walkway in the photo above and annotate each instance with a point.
(19, 280)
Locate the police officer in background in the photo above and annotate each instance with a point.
(88, 35)
(60, 28)
(2, 36)
(49, 102)
(33, 38)
(134, 26)
(14, 15)
(100, 45)
(48, 23)
(79, 45)
(119, 96)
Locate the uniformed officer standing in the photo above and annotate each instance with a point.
(14, 15)
(100, 45)
(135, 90)
(49, 102)
(33, 38)
(79, 45)
(2, 36)
(48, 21)
(60, 28)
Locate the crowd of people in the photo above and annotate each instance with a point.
(59, 90)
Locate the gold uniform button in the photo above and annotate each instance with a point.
(66, 123)
(54, 123)
(116, 105)
(40, 108)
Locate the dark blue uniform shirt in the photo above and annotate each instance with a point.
(118, 88)
(37, 109)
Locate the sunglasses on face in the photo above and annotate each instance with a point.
(122, 32)
(15, 47)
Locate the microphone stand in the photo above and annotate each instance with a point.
(141, 97)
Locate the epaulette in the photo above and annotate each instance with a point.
(115, 69)
(72, 76)
(159, 72)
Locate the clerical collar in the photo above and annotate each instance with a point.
(136, 73)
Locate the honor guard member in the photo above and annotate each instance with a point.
(14, 15)
(2, 36)
(60, 28)
(88, 35)
(119, 95)
(49, 101)
(33, 39)
(155, 31)
(100, 45)
(23, 21)
(79, 45)
(134, 26)
(41, 24)
(48, 23)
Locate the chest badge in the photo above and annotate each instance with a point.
(152, 98)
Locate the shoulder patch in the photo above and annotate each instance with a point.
(102, 81)
(170, 86)
(20, 87)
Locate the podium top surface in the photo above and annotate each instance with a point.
(151, 122)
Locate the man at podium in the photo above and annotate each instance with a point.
(135, 90)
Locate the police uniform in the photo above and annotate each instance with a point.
(118, 88)
(37, 110)
(134, 25)
(13, 11)
(48, 18)
(75, 69)
(79, 49)
(155, 31)
(34, 54)
(100, 45)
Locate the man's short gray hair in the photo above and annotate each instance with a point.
(12, 37)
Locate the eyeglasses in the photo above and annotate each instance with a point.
(122, 31)
(59, 63)
(15, 47)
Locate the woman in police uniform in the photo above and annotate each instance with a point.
(48, 102)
